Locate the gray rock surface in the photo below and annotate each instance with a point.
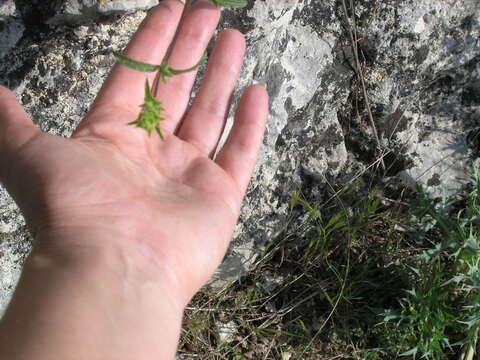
(422, 73)
(84, 11)
(11, 26)
(426, 93)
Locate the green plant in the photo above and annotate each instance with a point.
(312, 284)
(313, 293)
(442, 309)
(150, 114)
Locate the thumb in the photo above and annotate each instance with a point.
(16, 128)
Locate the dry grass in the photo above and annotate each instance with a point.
(311, 295)
(333, 285)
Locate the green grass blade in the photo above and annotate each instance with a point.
(470, 353)
(412, 352)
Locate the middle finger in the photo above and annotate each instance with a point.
(197, 30)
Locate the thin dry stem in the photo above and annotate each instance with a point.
(354, 40)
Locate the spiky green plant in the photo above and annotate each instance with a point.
(443, 303)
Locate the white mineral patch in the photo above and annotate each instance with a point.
(440, 156)
(85, 11)
(5, 228)
(226, 331)
(8, 8)
(420, 26)
(126, 5)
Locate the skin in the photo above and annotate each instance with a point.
(128, 227)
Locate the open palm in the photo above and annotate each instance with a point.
(165, 206)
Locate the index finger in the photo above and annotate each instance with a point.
(124, 86)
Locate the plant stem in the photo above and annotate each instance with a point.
(358, 65)
(470, 353)
(188, 4)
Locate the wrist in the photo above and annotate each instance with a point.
(102, 253)
(81, 297)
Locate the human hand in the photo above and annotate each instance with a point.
(165, 209)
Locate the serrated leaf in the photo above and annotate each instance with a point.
(150, 118)
(134, 64)
(230, 3)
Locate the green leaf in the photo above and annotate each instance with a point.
(471, 321)
(134, 64)
(410, 352)
(166, 71)
(149, 118)
(230, 3)
(389, 315)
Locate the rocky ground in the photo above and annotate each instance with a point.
(420, 62)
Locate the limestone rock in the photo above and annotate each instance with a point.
(422, 74)
(424, 88)
(11, 26)
(84, 11)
